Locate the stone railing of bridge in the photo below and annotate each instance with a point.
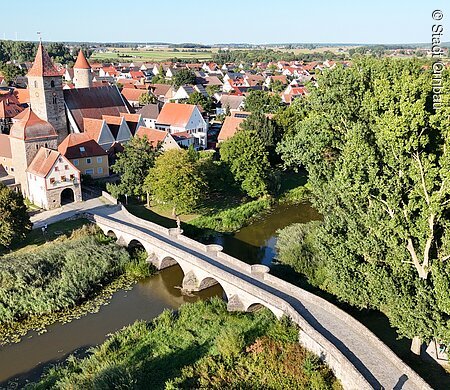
(238, 278)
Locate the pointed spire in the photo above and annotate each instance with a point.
(42, 65)
(81, 62)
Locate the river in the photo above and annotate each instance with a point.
(148, 298)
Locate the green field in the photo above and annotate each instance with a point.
(149, 55)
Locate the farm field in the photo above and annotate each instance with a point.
(144, 55)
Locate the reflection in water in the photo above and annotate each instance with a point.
(144, 302)
(253, 244)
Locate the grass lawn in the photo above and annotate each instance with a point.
(35, 238)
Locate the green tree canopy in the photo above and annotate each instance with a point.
(246, 155)
(10, 72)
(205, 102)
(263, 101)
(177, 180)
(147, 98)
(14, 218)
(133, 165)
(378, 160)
(182, 77)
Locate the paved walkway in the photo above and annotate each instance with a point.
(377, 363)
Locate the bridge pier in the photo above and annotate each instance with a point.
(235, 304)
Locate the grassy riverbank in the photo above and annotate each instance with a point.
(200, 346)
(225, 214)
(62, 279)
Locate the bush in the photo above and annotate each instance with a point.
(202, 346)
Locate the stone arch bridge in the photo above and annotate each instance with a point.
(357, 357)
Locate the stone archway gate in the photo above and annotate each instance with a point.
(356, 356)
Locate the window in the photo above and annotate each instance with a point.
(12, 169)
(89, 172)
(52, 180)
(63, 178)
(88, 161)
(82, 149)
(56, 169)
(52, 84)
(76, 162)
(66, 167)
(54, 100)
(100, 170)
(35, 84)
(72, 177)
(99, 160)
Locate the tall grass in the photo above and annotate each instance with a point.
(58, 275)
(201, 346)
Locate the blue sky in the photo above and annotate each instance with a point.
(243, 21)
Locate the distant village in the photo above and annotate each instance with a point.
(68, 122)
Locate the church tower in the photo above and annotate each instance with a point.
(82, 75)
(46, 93)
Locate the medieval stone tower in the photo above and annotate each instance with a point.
(46, 93)
(28, 134)
(82, 75)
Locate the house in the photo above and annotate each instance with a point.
(9, 108)
(85, 154)
(231, 125)
(99, 131)
(163, 92)
(292, 92)
(6, 162)
(185, 91)
(150, 113)
(184, 139)
(179, 118)
(134, 121)
(278, 78)
(230, 103)
(52, 179)
(118, 127)
(84, 103)
(158, 138)
(133, 95)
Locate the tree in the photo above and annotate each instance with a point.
(378, 160)
(14, 219)
(197, 98)
(247, 157)
(263, 101)
(177, 180)
(10, 72)
(133, 165)
(147, 98)
(267, 130)
(183, 77)
(212, 89)
(277, 86)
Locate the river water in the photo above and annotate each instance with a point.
(148, 298)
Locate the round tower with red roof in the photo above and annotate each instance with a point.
(82, 75)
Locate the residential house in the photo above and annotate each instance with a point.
(179, 118)
(150, 113)
(85, 154)
(157, 138)
(99, 131)
(134, 121)
(133, 95)
(118, 127)
(231, 125)
(229, 103)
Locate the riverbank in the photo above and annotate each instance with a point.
(62, 279)
(201, 345)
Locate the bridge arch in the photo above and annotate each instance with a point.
(255, 306)
(111, 234)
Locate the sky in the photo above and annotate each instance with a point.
(210, 22)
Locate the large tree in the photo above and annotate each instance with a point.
(378, 160)
(14, 218)
(176, 179)
(182, 77)
(263, 101)
(247, 156)
(205, 102)
(133, 165)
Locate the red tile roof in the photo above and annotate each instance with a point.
(175, 114)
(43, 162)
(93, 127)
(77, 145)
(30, 126)
(133, 94)
(229, 128)
(112, 120)
(81, 62)
(153, 136)
(43, 65)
